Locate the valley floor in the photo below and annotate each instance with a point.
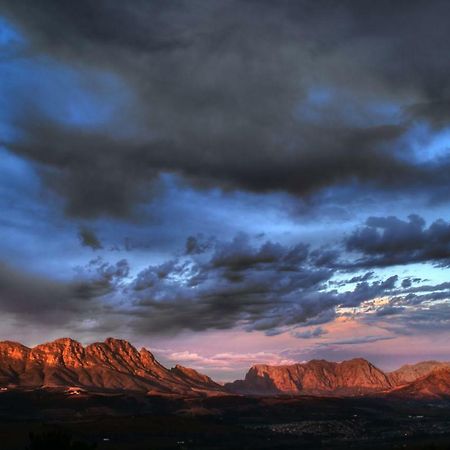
(136, 422)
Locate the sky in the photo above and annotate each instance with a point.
(227, 182)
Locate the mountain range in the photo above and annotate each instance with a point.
(111, 365)
(115, 365)
(347, 378)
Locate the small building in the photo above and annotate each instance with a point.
(75, 390)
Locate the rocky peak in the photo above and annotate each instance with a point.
(147, 358)
(411, 372)
(314, 376)
(13, 355)
(114, 353)
(436, 384)
(66, 342)
(119, 345)
(11, 347)
(193, 375)
(64, 351)
(145, 354)
(125, 350)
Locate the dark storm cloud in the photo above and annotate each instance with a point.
(406, 283)
(27, 294)
(195, 245)
(261, 287)
(100, 278)
(36, 297)
(89, 239)
(267, 287)
(422, 295)
(427, 287)
(245, 283)
(356, 279)
(365, 291)
(387, 241)
(291, 96)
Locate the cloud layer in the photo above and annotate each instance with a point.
(248, 283)
(295, 97)
(388, 241)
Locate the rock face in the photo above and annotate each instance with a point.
(411, 372)
(315, 377)
(435, 384)
(112, 365)
(348, 378)
(194, 377)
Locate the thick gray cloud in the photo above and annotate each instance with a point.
(365, 291)
(234, 283)
(88, 238)
(36, 297)
(260, 287)
(242, 283)
(196, 245)
(261, 96)
(33, 296)
(268, 287)
(387, 241)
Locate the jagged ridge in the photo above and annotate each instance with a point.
(313, 377)
(353, 377)
(114, 365)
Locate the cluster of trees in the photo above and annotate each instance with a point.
(57, 440)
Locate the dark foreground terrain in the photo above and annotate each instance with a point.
(55, 419)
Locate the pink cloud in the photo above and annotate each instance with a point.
(227, 361)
